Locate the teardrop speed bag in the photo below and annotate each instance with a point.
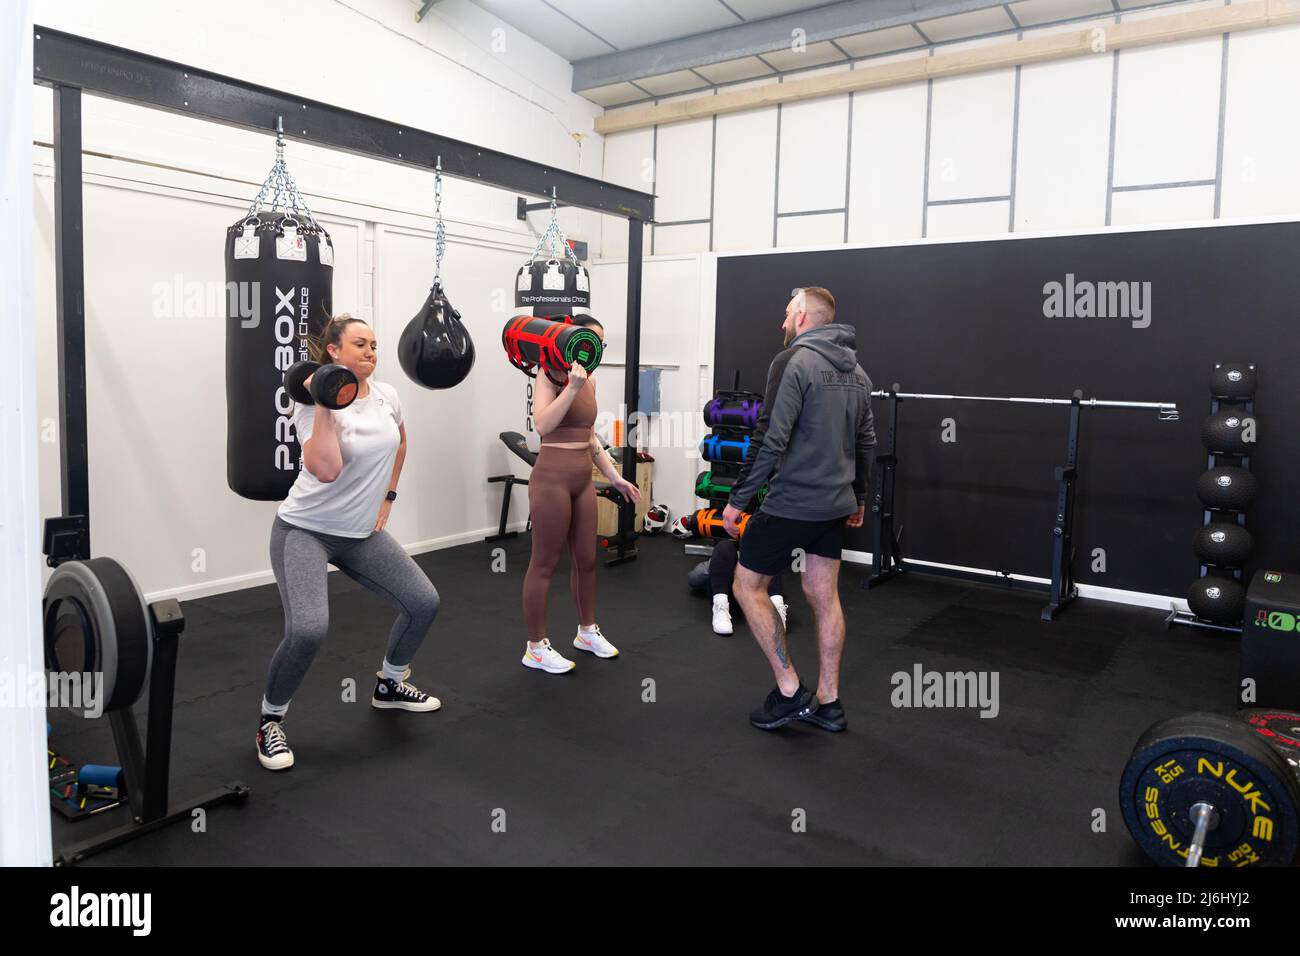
(435, 349)
(279, 284)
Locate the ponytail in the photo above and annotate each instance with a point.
(330, 334)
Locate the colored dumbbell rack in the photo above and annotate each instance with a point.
(1226, 489)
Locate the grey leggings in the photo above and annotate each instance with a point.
(299, 559)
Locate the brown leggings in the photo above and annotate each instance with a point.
(562, 504)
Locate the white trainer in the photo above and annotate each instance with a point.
(546, 658)
(595, 644)
(721, 615)
(780, 606)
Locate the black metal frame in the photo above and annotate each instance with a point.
(1063, 590)
(888, 561)
(72, 64)
(63, 59)
(510, 481)
(70, 298)
(887, 547)
(146, 767)
(523, 207)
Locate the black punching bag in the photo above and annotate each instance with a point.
(279, 284)
(435, 349)
(550, 287)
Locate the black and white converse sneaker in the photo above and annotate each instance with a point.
(272, 747)
(392, 695)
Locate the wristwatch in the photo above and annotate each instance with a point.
(392, 496)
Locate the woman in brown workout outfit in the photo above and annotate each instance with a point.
(562, 504)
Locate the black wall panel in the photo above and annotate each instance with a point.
(969, 317)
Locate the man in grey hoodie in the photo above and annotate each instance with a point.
(815, 435)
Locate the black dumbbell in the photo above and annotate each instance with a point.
(333, 386)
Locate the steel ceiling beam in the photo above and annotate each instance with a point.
(65, 60)
(830, 22)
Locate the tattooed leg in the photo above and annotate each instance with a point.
(765, 624)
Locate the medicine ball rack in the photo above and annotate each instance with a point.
(887, 558)
(1233, 384)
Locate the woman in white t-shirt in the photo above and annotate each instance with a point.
(335, 514)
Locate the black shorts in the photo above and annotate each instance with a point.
(769, 541)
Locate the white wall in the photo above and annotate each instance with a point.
(24, 796)
(452, 73)
(159, 192)
(1142, 136)
(677, 337)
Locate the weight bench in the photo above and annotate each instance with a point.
(519, 446)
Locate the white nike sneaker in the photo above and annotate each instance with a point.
(546, 658)
(781, 607)
(596, 644)
(721, 615)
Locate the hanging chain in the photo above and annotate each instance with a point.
(554, 238)
(553, 229)
(280, 187)
(440, 228)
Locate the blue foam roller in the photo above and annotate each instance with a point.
(97, 775)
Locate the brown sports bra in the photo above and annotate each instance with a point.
(578, 420)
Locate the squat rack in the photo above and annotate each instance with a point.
(72, 65)
(887, 557)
